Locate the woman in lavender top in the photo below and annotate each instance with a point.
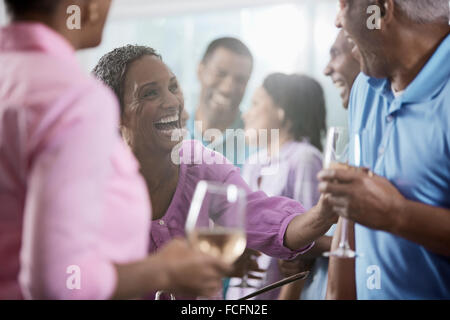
(293, 105)
(151, 104)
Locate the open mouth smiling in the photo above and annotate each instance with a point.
(168, 123)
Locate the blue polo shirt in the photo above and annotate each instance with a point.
(407, 140)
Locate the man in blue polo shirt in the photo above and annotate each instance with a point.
(400, 107)
(223, 73)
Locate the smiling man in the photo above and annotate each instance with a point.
(223, 74)
(343, 68)
(400, 107)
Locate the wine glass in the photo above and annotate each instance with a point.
(216, 220)
(337, 152)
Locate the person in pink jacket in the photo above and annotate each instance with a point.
(75, 213)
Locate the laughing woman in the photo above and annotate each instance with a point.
(151, 103)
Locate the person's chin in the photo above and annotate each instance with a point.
(345, 96)
(371, 67)
(345, 103)
(372, 72)
(167, 139)
(356, 54)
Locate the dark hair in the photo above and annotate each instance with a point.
(113, 66)
(232, 44)
(20, 7)
(425, 11)
(302, 99)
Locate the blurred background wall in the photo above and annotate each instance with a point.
(287, 36)
(2, 14)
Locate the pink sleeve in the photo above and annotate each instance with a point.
(267, 220)
(65, 207)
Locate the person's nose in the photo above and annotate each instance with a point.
(338, 21)
(171, 101)
(227, 85)
(328, 70)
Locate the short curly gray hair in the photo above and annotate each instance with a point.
(113, 66)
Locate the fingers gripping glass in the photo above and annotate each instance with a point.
(337, 153)
(216, 221)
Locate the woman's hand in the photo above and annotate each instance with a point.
(186, 271)
(247, 263)
(325, 211)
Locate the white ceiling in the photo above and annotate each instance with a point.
(128, 8)
(152, 8)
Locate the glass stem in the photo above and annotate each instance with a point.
(344, 235)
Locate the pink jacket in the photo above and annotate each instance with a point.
(72, 202)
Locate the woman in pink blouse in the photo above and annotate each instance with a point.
(151, 104)
(74, 214)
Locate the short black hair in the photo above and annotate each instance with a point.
(113, 66)
(302, 99)
(230, 43)
(20, 7)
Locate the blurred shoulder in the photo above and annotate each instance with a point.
(304, 152)
(43, 82)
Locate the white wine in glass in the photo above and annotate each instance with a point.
(223, 243)
(216, 220)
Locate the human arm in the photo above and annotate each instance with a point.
(305, 190)
(310, 226)
(176, 268)
(292, 291)
(278, 226)
(247, 264)
(372, 201)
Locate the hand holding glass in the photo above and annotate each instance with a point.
(337, 156)
(216, 220)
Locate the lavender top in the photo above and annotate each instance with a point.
(291, 174)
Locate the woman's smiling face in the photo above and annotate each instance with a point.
(153, 104)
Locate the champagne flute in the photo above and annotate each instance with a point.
(337, 151)
(216, 220)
